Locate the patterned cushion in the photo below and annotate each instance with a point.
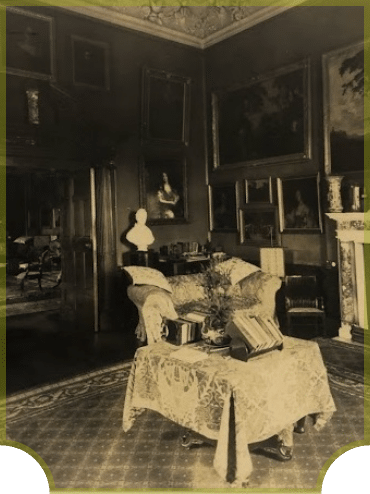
(141, 275)
(237, 269)
(186, 288)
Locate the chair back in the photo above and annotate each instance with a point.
(301, 291)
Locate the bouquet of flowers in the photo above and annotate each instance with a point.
(216, 285)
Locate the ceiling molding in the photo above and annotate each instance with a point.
(260, 16)
(144, 26)
(204, 31)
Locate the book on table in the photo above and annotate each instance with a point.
(182, 331)
(260, 334)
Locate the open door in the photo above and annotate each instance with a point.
(79, 250)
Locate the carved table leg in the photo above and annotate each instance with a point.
(190, 439)
(299, 427)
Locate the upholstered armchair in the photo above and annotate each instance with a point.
(157, 297)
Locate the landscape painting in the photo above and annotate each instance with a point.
(266, 120)
(343, 72)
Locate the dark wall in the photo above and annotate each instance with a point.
(286, 39)
(117, 113)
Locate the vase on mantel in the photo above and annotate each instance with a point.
(334, 193)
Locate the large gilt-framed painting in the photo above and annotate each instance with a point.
(343, 78)
(163, 189)
(165, 107)
(265, 121)
(29, 44)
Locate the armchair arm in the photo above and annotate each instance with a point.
(263, 287)
(153, 304)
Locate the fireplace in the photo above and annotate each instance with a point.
(351, 235)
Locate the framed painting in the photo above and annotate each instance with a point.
(164, 190)
(299, 204)
(29, 44)
(343, 78)
(265, 121)
(166, 104)
(259, 226)
(258, 191)
(90, 63)
(223, 207)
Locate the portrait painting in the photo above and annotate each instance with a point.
(164, 190)
(90, 63)
(258, 191)
(258, 226)
(343, 75)
(223, 213)
(264, 121)
(29, 44)
(299, 204)
(165, 115)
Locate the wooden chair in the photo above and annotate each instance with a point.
(302, 301)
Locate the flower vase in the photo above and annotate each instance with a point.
(334, 195)
(215, 337)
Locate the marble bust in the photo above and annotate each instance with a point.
(140, 235)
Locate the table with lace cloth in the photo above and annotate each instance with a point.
(234, 402)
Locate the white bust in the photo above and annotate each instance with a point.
(140, 235)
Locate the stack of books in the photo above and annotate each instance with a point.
(260, 334)
(182, 331)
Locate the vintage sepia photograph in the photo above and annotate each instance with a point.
(183, 242)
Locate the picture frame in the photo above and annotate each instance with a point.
(90, 63)
(299, 204)
(223, 201)
(166, 106)
(163, 189)
(30, 50)
(259, 226)
(267, 120)
(343, 81)
(258, 191)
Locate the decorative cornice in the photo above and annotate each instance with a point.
(199, 27)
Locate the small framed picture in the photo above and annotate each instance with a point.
(258, 191)
(90, 63)
(223, 207)
(166, 100)
(164, 190)
(259, 226)
(299, 204)
(29, 44)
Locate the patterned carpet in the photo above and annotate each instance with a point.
(76, 427)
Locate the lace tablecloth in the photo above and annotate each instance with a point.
(236, 403)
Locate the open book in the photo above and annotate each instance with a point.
(260, 334)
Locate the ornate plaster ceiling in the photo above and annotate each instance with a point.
(196, 26)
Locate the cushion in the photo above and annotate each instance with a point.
(237, 269)
(187, 287)
(141, 275)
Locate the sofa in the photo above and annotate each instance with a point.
(157, 297)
